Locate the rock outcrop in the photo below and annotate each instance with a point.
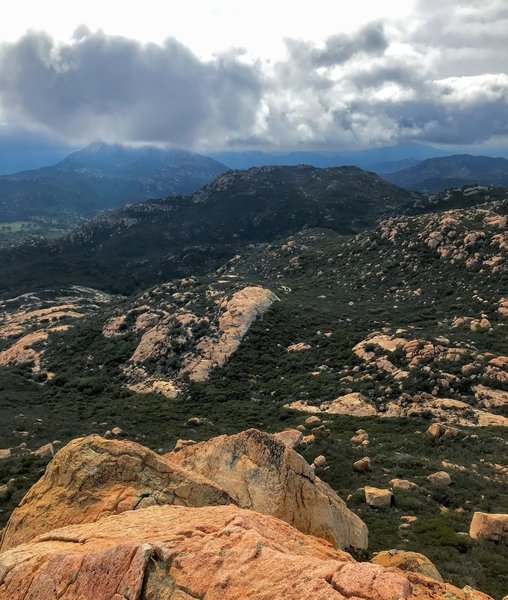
(93, 477)
(407, 561)
(239, 314)
(175, 553)
(263, 474)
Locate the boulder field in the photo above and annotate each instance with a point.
(240, 516)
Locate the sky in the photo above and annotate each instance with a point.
(274, 75)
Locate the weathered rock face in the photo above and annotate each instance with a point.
(493, 528)
(263, 474)
(221, 553)
(92, 477)
(240, 312)
(407, 561)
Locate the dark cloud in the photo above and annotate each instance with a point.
(112, 87)
(339, 48)
(442, 80)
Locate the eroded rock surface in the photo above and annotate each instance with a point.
(240, 312)
(221, 553)
(407, 561)
(265, 475)
(93, 477)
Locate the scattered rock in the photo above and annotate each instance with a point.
(298, 347)
(438, 431)
(378, 498)
(408, 518)
(312, 421)
(196, 422)
(402, 484)
(290, 437)
(354, 404)
(4, 453)
(362, 465)
(490, 527)
(440, 479)
(319, 461)
(116, 431)
(45, 451)
(360, 437)
(321, 432)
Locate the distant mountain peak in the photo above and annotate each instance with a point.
(437, 174)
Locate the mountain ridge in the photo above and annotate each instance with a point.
(100, 177)
(437, 174)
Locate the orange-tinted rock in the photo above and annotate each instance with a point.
(378, 498)
(92, 477)
(440, 479)
(407, 561)
(490, 527)
(221, 553)
(263, 474)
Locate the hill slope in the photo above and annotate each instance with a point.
(150, 242)
(389, 330)
(101, 177)
(437, 174)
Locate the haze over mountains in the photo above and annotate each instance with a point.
(436, 174)
(100, 177)
(380, 160)
(50, 201)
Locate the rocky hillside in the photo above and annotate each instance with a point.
(96, 178)
(382, 357)
(152, 242)
(438, 174)
(227, 518)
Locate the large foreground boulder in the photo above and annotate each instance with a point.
(263, 474)
(93, 477)
(217, 553)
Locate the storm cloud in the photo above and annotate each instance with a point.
(441, 78)
(112, 87)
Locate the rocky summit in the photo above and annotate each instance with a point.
(140, 527)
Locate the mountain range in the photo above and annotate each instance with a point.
(437, 174)
(380, 160)
(144, 243)
(97, 178)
